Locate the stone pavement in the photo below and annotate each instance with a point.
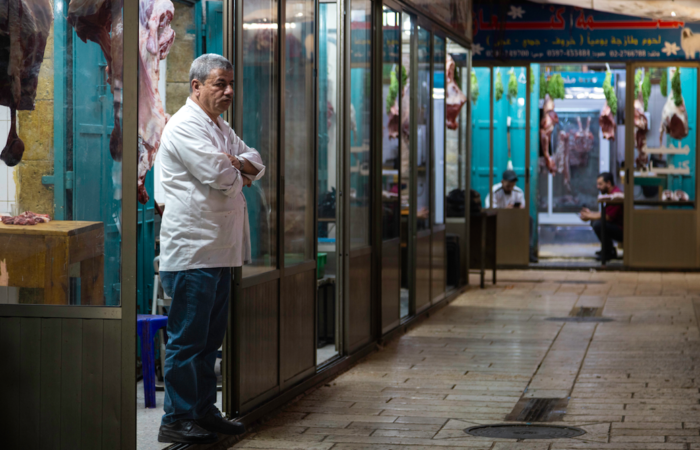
(632, 383)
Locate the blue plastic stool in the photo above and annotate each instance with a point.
(146, 327)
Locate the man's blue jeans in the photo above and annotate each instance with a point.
(196, 326)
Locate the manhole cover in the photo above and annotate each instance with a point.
(580, 319)
(524, 431)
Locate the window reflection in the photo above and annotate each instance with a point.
(260, 80)
(456, 132)
(391, 158)
(360, 102)
(423, 132)
(299, 119)
(439, 127)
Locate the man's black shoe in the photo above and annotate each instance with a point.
(611, 255)
(215, 423)
(185, 432)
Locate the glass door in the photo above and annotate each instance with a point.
(392, 89)
(328, 186)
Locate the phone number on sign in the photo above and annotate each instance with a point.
(628, 53)
(570, 53)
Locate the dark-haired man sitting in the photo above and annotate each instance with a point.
(613, 218)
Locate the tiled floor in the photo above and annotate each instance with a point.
(633, 382)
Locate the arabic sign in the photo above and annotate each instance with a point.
(585, 79)
(537, 32)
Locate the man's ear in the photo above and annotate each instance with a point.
(195, 86)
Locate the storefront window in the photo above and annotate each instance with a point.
(665, 112)
(456, 129)
(423, 132)
(509, 143)
(360, 108)
(439, 127)
(327, 132)
(299, 119)
(392, 72)
(260, 124)
(407, 30)
(61, 133)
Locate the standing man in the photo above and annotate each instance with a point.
(506, 195)
(204, 233)
(614, 216)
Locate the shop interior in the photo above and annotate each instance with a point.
(577, 132)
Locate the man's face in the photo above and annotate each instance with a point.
(603, 187)
(216, 94)
(508, 186)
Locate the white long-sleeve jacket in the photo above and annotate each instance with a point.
(205, 222)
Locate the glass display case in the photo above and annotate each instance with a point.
(665, 138)
(61, 169)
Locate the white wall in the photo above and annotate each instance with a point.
(7, 183)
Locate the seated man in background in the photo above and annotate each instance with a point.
(613, 217)
(506, 195)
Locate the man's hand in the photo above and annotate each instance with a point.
(585, 214)
(247, 182)
(510, 206)
(235, 161)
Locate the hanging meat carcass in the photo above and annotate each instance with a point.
(547, 123)
(576, 145)
(607, 121)
(582, 144)
(674, 120)
(561, 157)
(155, 39)
(674, 117)
(101, 21)
(24, 29)
(455, 97)
(641, 126)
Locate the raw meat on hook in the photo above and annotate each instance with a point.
(24, 30)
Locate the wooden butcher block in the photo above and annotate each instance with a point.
(46, 255)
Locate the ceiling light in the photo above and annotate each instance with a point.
(301, 14)
(673, 13)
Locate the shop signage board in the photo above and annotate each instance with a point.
(535, 32)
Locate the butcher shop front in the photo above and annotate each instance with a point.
(563, 95)
(359, 227)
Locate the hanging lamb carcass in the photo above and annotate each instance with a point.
(607, 122)
(674, 117)
(101, 21)
(455, 97)
(547, 124)
(24, 29)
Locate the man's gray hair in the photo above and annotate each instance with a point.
(202, 67)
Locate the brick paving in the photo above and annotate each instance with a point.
(632, 383)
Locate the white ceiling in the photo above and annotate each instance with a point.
(685, 10)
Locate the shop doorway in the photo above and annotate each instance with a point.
(581, 146)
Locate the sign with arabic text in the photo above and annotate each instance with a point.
(535, 32)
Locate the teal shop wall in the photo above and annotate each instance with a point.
(480, 134)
